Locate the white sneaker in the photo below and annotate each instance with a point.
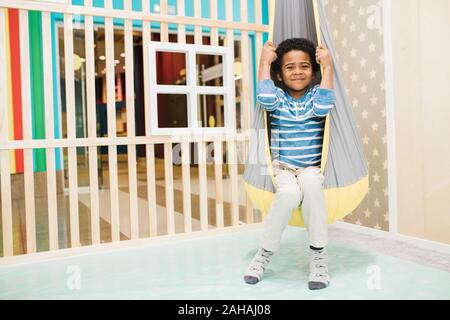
(255, 270)
(318, 271)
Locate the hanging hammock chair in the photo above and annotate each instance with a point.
(344, 164)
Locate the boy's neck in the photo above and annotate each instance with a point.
(296, 94)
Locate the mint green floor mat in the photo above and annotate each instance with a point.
(213, 268)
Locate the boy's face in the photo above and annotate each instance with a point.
(296, 70)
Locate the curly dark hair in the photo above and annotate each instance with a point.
(284, 47)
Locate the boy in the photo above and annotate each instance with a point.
(297, 112)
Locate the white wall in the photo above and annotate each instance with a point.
(421, 67)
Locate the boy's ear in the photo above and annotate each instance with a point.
(279, 77)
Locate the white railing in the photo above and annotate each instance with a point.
(92, 142)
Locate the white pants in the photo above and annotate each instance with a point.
(296, 187)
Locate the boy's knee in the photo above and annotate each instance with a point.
(289, 196)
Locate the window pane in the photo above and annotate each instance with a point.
(210, 111)
(170, 68)
(210, 70)
(172, 111)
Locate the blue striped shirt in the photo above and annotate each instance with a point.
(297, 125)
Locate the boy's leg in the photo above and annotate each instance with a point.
(314, 215)
(286, 199)
(313, 206)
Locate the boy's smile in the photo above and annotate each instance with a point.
(296, 72)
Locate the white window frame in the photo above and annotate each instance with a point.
(192, 89)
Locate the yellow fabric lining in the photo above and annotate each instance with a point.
(326, 140)
(339, 201)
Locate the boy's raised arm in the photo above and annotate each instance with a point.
(324, 97)
(266, 92)
(323, 57)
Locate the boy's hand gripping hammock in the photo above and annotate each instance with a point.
(344, 164)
